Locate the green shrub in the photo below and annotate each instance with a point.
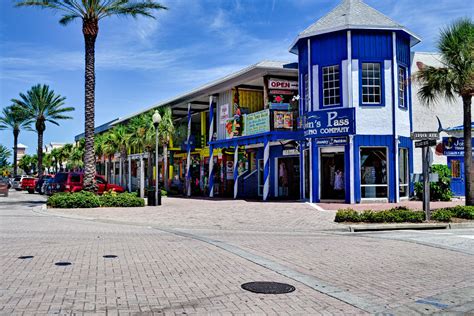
(114, 199)
(442, 215)
(164, 193)
(461, 211)
(347, 215)
(81, 199)
(395, 215)
(441, 190)
(86, 199)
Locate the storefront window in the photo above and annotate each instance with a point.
(455, 169)
(373, 172)
(371, 84)
(403, 171)
(331, 93)
(401, 87)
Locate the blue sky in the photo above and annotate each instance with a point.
(141, 62)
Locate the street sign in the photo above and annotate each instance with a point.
(425, 143)
(424, 135)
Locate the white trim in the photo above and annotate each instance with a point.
(348, 97)
(395, 111)
(310, 78)
(236, 168)
(351, 170)
(260, 184)
(355, 83)
(275, 183)
(315, 89)
(345, 84)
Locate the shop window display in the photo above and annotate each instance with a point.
(373, 172)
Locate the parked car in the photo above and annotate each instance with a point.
(29, 184)
(4, 186)
(41, 181)
(73, 182)
(16, 184)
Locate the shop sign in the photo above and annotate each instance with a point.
(329, 123)
(282, 120)
(453, 146)
(290, 152)
(257, 122)
(332, 141)
(224, 113)
(282, 84)
(280, 106)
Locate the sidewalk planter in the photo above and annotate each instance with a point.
(90, 200)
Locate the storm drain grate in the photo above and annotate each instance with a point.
(63, 263)
(268, 287)
(26, 257)
(110, 256)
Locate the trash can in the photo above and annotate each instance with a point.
(151, 197)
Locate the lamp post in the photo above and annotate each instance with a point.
(156, 123)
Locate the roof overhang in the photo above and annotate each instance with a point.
(414, 39)
(195, 97)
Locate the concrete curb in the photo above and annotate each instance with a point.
(461, 225)
(382, 227)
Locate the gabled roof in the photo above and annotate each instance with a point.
(352, 14)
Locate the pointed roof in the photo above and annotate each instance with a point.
(352, 14)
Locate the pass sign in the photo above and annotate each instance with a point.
(424, 135)
(329, 123)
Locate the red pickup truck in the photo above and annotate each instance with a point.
(28, 184)
(73, 182)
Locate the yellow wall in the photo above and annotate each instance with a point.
(253, 100)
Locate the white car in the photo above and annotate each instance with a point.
(16, 183)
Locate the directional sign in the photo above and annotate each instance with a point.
(425, 143)
(424, 135)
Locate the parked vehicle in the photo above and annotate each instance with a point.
(73, 182)
(29, 184)
(41, 181)
(16, 184)
(4, 186)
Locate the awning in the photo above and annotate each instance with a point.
(258, 139)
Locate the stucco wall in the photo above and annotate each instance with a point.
(424, 116)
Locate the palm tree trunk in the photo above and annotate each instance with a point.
(40, 153)
(90, 29)
(468, 170)
(165, 165)
(16, 132)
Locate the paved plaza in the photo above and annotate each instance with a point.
(191, 257)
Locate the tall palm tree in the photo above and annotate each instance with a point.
(454, 78)
(166, 130)
(109, 148)
(142, 137)
(64, 153)
(91, 12)
(55, 156)
(118, 140)
(42, 105)
(15, 118)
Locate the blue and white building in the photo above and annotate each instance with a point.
(356, 104)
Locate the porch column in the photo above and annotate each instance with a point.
(107, 171)
(211, 148)
(142, 177)
(236, 171)
(129, 174)
(266, 169)
(188, 162)
(211, 171)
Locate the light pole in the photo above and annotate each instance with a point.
(156, 123)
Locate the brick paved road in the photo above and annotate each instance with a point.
(197, 253)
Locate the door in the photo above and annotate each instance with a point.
(289, 178)
(456, 164)
(332, 176)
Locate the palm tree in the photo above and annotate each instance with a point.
(75, 160)
(15, 118)
(42, 105)
(454, 78)
(4, 155)
(109, 148)
(64, 154)
(119, 139)
(142, 137)
(55, 156)
(90, 12)
(166, 130)
(99, 142)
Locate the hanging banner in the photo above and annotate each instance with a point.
(257, 122)
(339, 122)
(223, 113)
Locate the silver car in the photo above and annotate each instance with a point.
(16, 184)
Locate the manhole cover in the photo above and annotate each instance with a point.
(26, 257)
(63, 263)
(268, 287)
(109, 256)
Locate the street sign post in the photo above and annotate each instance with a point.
(425, 140)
